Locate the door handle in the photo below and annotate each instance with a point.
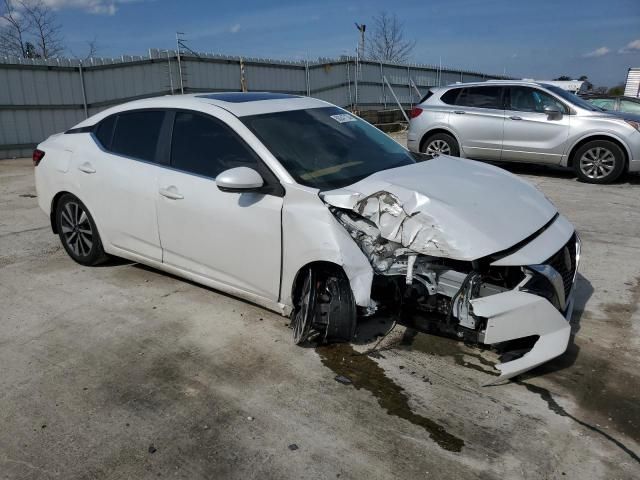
(515, 117)
(171, 192)
(459, 112)
(86, 168)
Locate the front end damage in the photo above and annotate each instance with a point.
(525, 291)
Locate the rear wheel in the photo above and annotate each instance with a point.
(78, 232)
(440, 144)
(324, 307)
(599, 161)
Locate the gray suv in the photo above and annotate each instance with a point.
(524, 121)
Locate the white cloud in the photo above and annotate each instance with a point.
(235, 28)
(97, 7)
(631, 47)
(598, 52)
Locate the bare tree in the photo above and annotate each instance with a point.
(387, 42)
(44, 27)
(14, 28)
(92, 50)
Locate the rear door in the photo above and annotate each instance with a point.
(232, 238)
(119, 181)
(478, 120)
(530, 135)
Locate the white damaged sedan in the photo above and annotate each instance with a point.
(296, 205)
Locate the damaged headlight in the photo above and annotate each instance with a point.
(545, 281)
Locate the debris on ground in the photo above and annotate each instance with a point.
(343, 380)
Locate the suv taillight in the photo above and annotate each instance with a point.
(415, 111)
(37, 157)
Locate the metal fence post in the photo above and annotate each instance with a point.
(384, 94)
(404, 114)
(84, 93)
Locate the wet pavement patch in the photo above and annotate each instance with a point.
(446, 347)
(366, 374)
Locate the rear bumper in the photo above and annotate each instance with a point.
(413, 141)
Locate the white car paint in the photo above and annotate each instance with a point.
(253, 246)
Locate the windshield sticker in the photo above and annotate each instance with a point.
(343, 118)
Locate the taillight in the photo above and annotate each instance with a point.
(415, 111)
(37, 157)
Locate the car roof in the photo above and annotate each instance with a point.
(239, 104)
(498, 83)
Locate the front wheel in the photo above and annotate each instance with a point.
(440, 144)
(324, 307)
(78, 232)
(599, 161)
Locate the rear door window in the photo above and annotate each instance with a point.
(136, 134)
(481, 97)
(206, 146)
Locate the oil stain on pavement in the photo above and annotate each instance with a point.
(366, 374)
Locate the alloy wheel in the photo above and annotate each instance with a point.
(437, 147)
(597, 163)
(76, 229)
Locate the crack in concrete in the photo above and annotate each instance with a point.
(556, 408)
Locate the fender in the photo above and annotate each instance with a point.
(595, 133)
(321, 238)
(448, 129)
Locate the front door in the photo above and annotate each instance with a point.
(233, 238)
(530, 135)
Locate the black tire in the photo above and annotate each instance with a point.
(599, 161)
(324, 307)
(78, 232)
(440, 144)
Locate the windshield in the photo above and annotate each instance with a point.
(327, 148)
(573, 98)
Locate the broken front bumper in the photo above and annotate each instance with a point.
(519, 313)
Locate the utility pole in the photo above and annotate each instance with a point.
(361, 28)
(178, 47)
(169, 69)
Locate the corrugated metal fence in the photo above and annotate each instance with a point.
(41, 97)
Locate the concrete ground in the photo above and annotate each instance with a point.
(122, 371)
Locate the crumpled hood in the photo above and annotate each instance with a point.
(447, 207)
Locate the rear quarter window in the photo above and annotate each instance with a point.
(426, 97)
(104, 131)
(449, 97)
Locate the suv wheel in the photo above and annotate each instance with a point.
(599, 161)
(440, 144)
(78, 232)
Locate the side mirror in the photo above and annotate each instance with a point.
(553, 112)
(239, 179)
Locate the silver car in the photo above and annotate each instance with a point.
(525, 121)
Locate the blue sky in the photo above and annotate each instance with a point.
(526, 38)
